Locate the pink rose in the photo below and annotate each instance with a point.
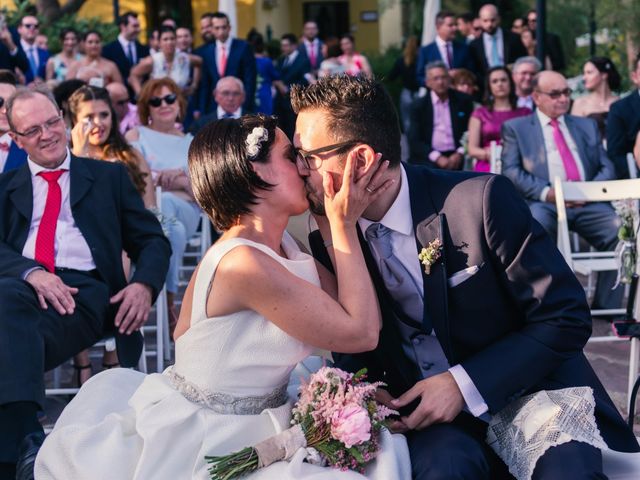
(351, 425)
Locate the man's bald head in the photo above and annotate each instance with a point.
(119, 96)
(229, 94)
(551, 93)
(489, 18)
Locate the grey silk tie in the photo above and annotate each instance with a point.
(396, 277)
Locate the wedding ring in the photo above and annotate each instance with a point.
(368, 189)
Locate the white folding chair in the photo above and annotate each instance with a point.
(495, 160)
(586, 263)
(633, 168)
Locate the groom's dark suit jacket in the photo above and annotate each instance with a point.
(518, 325)
(108, 211)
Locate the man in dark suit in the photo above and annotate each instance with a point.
(11, 155)
(549, 144)
(294, 69)
(496, 316)
(445, 48)
(11, 57)
(28, 30)
(225, 57)
(623, 125)
(311, 45)
(65, 222)
(495, 46)
(552, 43)
(126, 51)
(229, 96)
(438, 121)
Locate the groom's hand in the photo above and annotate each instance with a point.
(396, 425)
(441, 401)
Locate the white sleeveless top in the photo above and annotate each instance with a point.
(180, 68)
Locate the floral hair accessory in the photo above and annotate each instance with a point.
(254, 141)
(430, 255)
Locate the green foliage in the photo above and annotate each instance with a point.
(381, 64)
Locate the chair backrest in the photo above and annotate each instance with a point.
(633, 168)
(606, 191)
(495, 161)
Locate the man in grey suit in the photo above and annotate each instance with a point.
(548, 144)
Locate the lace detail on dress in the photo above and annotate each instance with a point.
(224, 403)
(525, 429)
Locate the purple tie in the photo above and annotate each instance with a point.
(570, 166)
(449, 56)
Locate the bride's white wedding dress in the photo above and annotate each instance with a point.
(226, 391)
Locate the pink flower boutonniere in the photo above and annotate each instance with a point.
(430, 254)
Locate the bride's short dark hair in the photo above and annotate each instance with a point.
(223, 181)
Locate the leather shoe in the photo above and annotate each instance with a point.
(29, 449)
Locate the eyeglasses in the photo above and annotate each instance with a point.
(168, 99)
(38, 130)
(556, 94)
(1, 102)
(30, 25)
(310, 158)
(227, 93)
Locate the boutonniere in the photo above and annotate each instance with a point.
(430, 254)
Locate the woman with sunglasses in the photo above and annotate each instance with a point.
(168, 62)
(255, 307)
(95, 134)
(58, 65)
(161, 105)
(94, 68)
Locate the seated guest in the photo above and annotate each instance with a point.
(61, 277)
(126, 112)
(229, 96)
(549, 144)
(623, 125)
(464, 81)
(165, 149)
(445, 48)
(524, 70)
(601, 78)
(486, 121)
(438, 121)
(11, 155)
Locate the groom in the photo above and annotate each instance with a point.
(498, 314)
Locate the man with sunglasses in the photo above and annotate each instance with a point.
(11, 155)
(550, 143)
(492, 314)
(28, 29)
(65, 223)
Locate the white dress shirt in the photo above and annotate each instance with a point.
(4, 155)
(71, 249)
(487, 40)
(221, 113)
(442, 48)
(125, 46)
(31, 49)
(526, 102)
(554, 160)
(227, 49)
(403, 244)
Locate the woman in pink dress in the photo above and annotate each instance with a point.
(500, 105)
(355, 64)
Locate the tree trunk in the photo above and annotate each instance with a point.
(51, 10)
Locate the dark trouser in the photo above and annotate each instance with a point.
(458, 450)
(33, 340)
(598, 224)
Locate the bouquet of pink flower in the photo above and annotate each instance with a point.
(336, 415)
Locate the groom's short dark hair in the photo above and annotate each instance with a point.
(358, 108)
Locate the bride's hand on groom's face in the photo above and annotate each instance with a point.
(440, 401)
(357, 191)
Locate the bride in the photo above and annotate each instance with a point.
(254, 308)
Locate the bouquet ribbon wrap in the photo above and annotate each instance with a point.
(281, 446)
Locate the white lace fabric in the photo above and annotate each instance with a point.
(525, 429)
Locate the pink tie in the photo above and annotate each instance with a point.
(223, 60)
(312, 56)
(449, 56)
(46, 236)
(570, 166)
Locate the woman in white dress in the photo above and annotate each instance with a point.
(255, 307)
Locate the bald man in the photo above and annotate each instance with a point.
(229, 96)
(126, 112)
(532, 169)
(495, 46)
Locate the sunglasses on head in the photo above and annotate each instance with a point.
(168, 99)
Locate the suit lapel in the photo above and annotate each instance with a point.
(81, 180)
(430, 225)
(21, 192)
(541, 169)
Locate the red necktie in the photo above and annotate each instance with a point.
(46, 237)
(4, 147)
(570, 166)
(223, 60)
